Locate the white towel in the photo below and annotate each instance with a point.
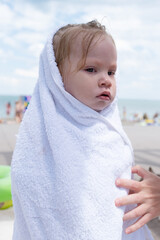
(65, 164)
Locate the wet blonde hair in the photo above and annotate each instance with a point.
(66, 36)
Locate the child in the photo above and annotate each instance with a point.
(71, 146)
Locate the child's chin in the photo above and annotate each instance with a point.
(100, 109)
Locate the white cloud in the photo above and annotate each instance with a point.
(1, 52)
(6, 16)
(16, 85)
(35, 49)
(31, 73)
(29, 37)
(124, 45)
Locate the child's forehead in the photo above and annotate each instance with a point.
(79, 46)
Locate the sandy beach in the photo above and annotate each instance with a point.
(146, 145)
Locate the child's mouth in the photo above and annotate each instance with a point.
(105, 96)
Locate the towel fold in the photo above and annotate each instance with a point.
(66, 160)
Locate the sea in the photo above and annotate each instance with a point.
(128, 108)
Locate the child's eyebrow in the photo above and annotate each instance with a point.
(92, 61)
(114, 66)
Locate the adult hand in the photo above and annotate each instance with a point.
(146, 194)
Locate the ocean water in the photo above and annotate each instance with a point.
(130, 106)
(138, 107)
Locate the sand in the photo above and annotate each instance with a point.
(6, 224)
(146, 144)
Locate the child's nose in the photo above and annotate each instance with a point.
(104, 81)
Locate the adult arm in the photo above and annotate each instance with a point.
(146, 194)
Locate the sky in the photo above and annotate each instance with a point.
(135, 26)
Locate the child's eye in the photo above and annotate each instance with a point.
(91, 70)
(111, 73)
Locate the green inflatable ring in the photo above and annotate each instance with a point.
(5, 187)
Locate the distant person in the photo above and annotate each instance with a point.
(124, 114)
(147, 120)
(136, 117)
(146, 194)
(145, 116)
(8, 109)
(18, 111)
(71, 145)
(155, 115)
(156, 119)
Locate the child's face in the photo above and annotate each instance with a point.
(94, 84)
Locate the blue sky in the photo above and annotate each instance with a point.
(135, 26)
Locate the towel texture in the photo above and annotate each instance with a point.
(66, 160)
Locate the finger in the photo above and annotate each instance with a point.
(138, 224)
(129, 184)
(140, 171)
(137, 212)
(129, 199)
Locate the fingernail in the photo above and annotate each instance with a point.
(128, 231)
(117, 202)
(117, 182)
